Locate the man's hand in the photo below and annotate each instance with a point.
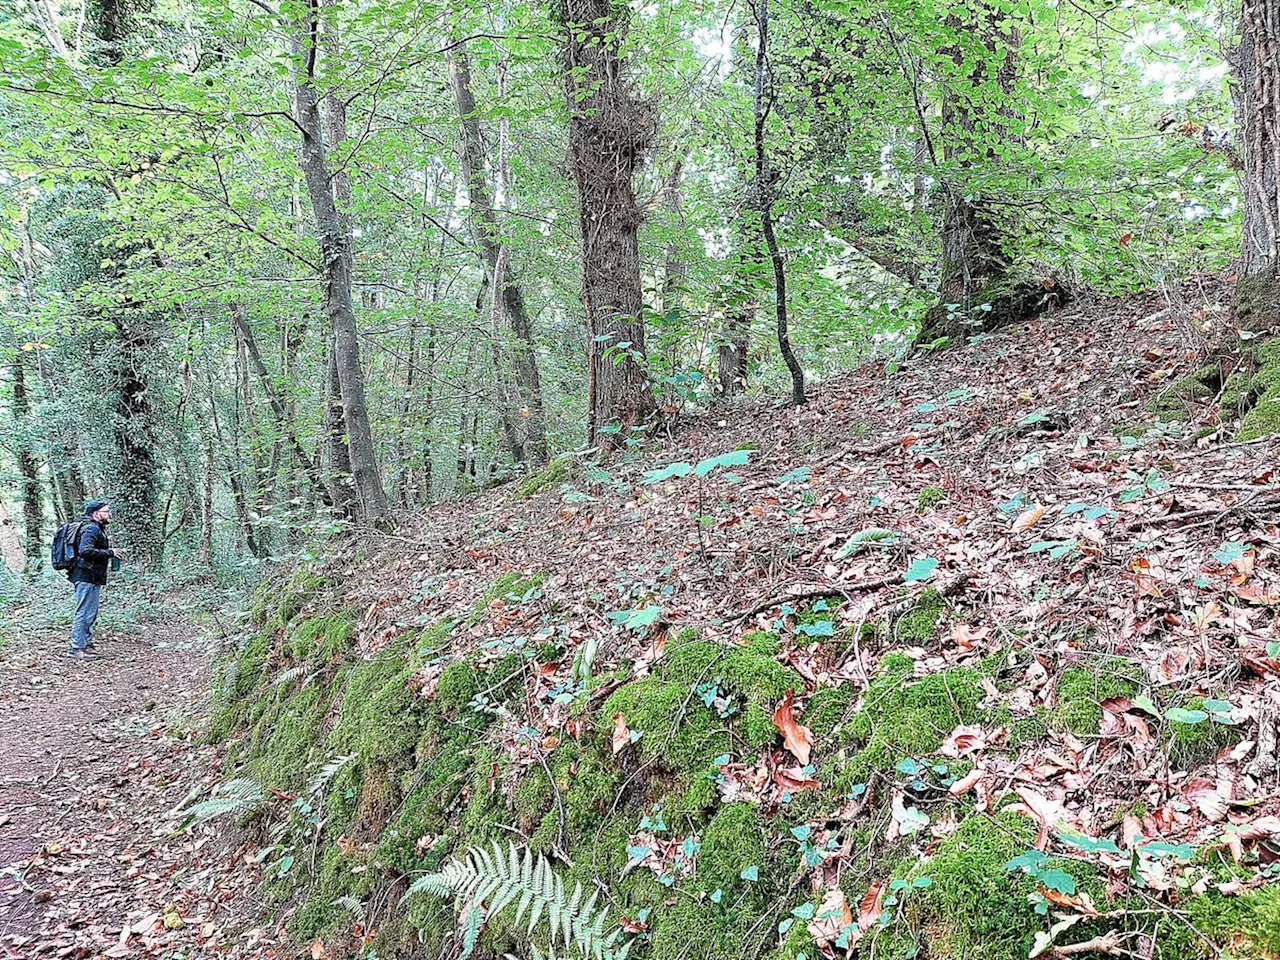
(117, 553)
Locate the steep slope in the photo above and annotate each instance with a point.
(956, 659)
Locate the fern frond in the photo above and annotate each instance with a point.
(233, 798)
(518, 876)
(320, 782)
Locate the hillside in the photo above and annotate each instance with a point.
(958, 660)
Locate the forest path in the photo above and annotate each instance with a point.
(93, 755)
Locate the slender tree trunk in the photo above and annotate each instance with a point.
(335, 249)
(609, 129)
(1257, 101)
(28, 468)
(206, 506)
(765, 197)
(338, 480)
(508, 295)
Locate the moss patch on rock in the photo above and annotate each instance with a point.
(558, 471)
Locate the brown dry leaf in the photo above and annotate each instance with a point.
(1028, 519)
(966, 783)
(795, 736)
(621, 735)
(966, 637)
(317, 949)
(1079, 901)
(833, 916)
(963, 741)
(870, 908)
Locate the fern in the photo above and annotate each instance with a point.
(518, 876)
(326, 773)
(233, 798)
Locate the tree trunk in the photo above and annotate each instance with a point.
(28, 468)
(732, 353)
(1257, 102)
(609, 128)
(979, 287)
(338, 479)
(764, 190)
(507, 293)
(335, 248)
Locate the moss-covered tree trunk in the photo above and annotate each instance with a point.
(979, 285)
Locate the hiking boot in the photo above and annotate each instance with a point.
(85, 654)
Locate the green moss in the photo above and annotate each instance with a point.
(678, 731)
(917, 625)
(326, 637)
(1203, 384)
(1257, 301)
(558, 471)
(240, 677)
(509, 586)
(457, 686)
(1193, 744)
(285, 741)
(930, 497)
(380, 718)
(827, 709)
(338, 876)
(1263, 419)
(731, 842)
(1081, 691)
(902, 717)
(973, 907)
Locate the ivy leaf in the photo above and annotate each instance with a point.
(751, 874)
(734, 458)
(1230, 551)
(1181, 715)
(921, 569)
(819, 628)
(671, 471)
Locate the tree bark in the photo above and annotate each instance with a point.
(765, 197)
(609, 129)
(335, 247)
(508, 296)
(1257, 101)
(979, 287)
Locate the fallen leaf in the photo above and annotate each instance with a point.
(1028, 519)
(870, 907)
(833, 916)
(621, 735)
(795, 736)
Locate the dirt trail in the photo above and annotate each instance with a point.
(92, 756)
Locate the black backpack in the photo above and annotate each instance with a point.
(66, 545)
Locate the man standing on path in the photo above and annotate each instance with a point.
(89, 574)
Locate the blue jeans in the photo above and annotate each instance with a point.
(88, 596)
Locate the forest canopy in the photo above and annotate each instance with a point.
(273, 268)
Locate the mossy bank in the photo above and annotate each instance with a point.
(665, 788)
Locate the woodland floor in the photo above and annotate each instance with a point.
(92, 757)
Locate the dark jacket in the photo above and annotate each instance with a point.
(93, 554)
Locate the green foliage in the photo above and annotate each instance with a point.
(234, 798)
(930, 497)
